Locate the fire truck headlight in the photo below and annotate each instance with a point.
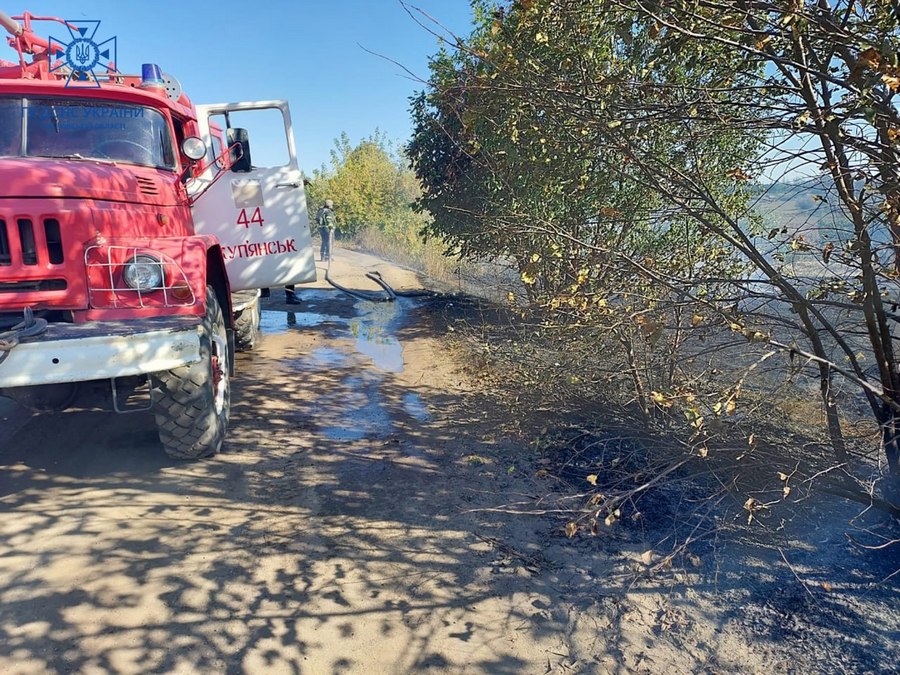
(143, 273)
(194, 148)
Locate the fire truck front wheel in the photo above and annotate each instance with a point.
(192, 403)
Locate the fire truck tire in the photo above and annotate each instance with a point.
(246, 328)
(192, 403)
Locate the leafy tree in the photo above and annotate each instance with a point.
(611, 149)
(513, 143)
(368, 184)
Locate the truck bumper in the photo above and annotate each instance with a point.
(99, 351)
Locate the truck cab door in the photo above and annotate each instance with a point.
(258, 213)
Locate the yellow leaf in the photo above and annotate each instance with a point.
(592, 479)
(696, 320)
(647, 557)
(782, 476)
(612, 124)
(571, 529)
(891, 81)
(827, 586)
(704, 451)
(609, 212)
(610, 520)
(799, 244)
(647, 324)
(660, 399)
(871, 58)
(786, 491)
(730, 407)
(760, 44)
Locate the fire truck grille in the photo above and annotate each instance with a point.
(19, 238)
(5, 255)
(31, 286)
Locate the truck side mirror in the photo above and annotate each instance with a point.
(239, 163)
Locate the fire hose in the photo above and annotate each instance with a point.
(368, 296)
(389, 295)
(28, 327)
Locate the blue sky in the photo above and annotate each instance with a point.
(307, 51)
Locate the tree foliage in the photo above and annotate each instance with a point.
(613, 150)
(368, 183)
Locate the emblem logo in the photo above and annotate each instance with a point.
(82, 54)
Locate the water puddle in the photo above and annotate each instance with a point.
(326, 357)
(372, 330)
(386, 353)
(362, 414)
(272, 321)
(359, 347)
(415, 407)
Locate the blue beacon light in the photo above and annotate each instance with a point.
(151, 77)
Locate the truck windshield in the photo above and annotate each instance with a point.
(78, 129)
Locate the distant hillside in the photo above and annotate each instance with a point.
(806, 206)
(809, 207)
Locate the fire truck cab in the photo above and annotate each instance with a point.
(135, 233)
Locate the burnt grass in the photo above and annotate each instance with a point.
(793, 568)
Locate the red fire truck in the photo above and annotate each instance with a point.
(135, 230)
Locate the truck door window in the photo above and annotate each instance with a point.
(265, 130)
(217, 148)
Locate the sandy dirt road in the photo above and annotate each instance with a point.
(321, 540)
(338, 532)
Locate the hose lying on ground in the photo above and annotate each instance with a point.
(368, 296)
(376, 277)
(389, 295)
